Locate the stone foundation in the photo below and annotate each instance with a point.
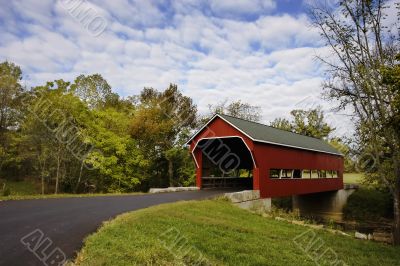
(172, 189)
(249, 200)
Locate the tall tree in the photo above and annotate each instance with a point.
(93, 89)
(237, 109)
(10, 94)
(53, 124)
(364, 43)
(161, 123)
(306, 122)
(10, 90)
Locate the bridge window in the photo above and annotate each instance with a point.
(286, 173)
(296, 173)
(314, 174)
(322, 174)
(274, 173)
(306, 173)
(334, 174)
(301, 174)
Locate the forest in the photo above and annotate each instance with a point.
(80, 136)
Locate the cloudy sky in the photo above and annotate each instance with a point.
(259, 51)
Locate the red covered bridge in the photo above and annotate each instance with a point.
(232, 152)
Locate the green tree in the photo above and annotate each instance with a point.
(161, 123)
(119, 166)
(54, 124)
(236, 108)
(94, 90)
(306, 122)
(10, 92)
(340, 145)
(10, 95)
(282, 123)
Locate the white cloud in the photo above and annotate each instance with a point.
(243, 7)
(268, 61)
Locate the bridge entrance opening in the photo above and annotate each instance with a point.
(226, 163)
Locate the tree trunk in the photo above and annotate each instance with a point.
(58, 172)
(170, 172)
(396, 209)
(42, 179)
(79, 178)
(42, 169)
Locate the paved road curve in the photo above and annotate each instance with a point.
(67, 221)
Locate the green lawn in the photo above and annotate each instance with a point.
(352, 178)
(214, 232)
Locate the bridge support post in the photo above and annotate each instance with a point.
(199, 167)
(327, 205)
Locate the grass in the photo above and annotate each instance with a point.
(64, 195)
(352, 178)
(213, 232)
(20, 190)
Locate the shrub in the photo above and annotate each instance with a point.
(368, 205)
(6, 191)
(284, 203)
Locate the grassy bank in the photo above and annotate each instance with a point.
(54, 196)
(352, 178)
(217, 233)
(19, 190)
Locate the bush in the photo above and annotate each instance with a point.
(284, 203)
(368, 205)
(6, 191)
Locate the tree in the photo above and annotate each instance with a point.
(305, 122)
(364, 45)
(161, 123)
(119, 166)
(237, 109)
(10, 95)
(54, 124)
(282, 123)
(343, 147)
(94, 90)
(10, 92)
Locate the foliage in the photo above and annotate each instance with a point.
(115, 156)
(81, 137)
(305, 122)
(175, 234)
(349, 163)
(237, 109)
(10, 95)
(368, 205)
(18, 188)
(161, 124)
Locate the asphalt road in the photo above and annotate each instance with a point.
(66, 222)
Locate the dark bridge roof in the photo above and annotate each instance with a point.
(263, 133)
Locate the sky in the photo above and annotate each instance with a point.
(262, 52)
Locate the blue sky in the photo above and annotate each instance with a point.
(258, 51)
